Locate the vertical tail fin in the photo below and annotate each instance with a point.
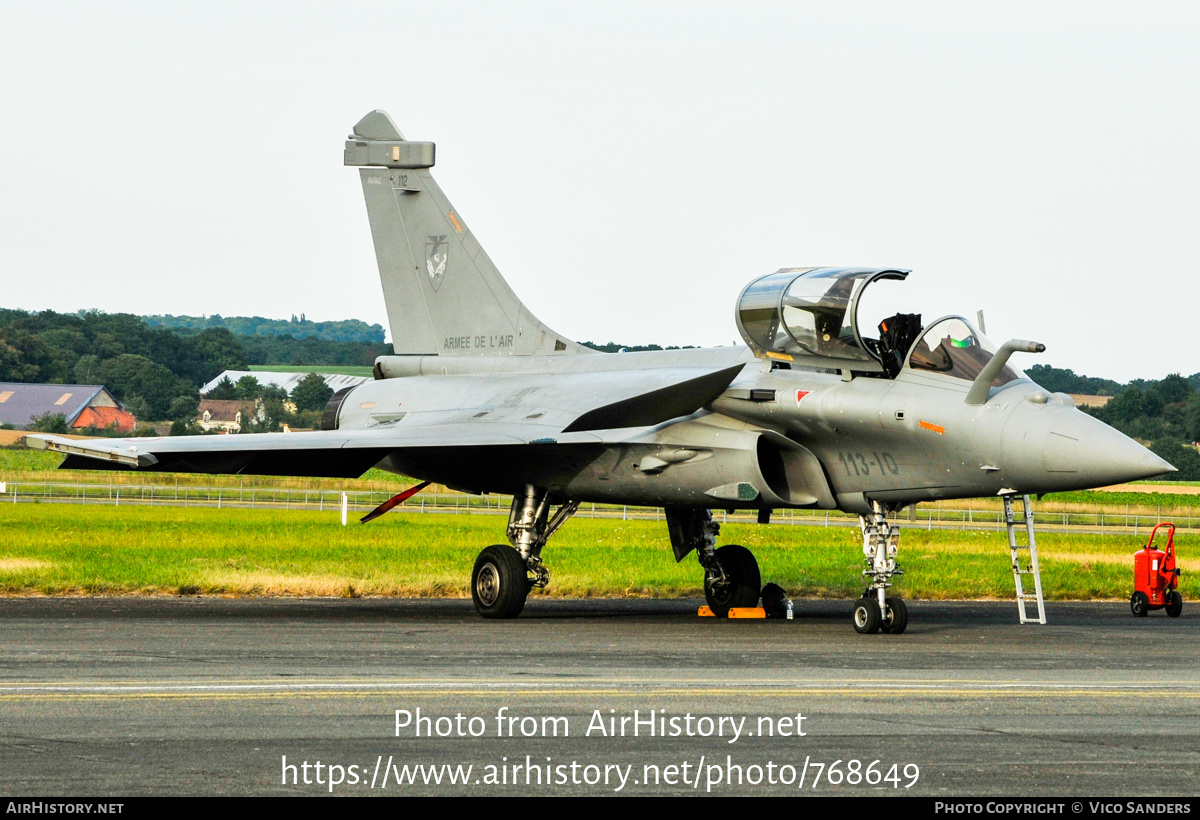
(443, 294)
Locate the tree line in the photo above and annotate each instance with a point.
(345, 330)
(155, 372)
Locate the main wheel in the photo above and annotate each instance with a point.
(895, 616)
(1139, 604)
(867, 619)
(499, 582)
(741, 572)
(1174, 603)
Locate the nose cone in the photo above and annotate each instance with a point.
(1078, 452)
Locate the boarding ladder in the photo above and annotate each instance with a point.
(1015, 549)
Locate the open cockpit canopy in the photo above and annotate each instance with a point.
(810, 316)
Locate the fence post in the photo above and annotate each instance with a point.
(345, 508)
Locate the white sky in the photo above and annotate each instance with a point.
(628, 166)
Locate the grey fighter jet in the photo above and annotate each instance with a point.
(814, 412)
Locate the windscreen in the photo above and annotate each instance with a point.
(953, 347)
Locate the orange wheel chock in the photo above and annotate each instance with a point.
(747, 612)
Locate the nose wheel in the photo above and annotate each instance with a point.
(895, 616)
(869, 618)
(866, 616)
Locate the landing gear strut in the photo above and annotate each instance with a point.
(500, 581)
(875, 611)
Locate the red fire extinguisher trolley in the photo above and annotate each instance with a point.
(1156, 577)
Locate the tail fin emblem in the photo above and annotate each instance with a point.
(437, 251)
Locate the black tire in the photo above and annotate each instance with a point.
(741, 569)
(895, 619)
(499, 582)
(867, 619)
(1174, 603)
(1139, 604)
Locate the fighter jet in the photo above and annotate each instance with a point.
(813, 412)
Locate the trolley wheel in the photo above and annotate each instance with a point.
(1139, 604)
(499, 582)
(895, 617)
(1174, 603)
(741, 569)
(867, 618)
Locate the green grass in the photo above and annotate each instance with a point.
(1117, 500)
(18, 464)
(96, 550)
(323, 369)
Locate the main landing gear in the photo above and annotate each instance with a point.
(876, 611)
(501, 580)
(731, 577)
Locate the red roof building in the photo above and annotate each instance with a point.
(82, 405)
(104, 418)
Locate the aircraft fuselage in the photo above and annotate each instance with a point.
(774, 438)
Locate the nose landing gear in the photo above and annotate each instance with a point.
(876, 611)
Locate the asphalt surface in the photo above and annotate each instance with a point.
(201, 696)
